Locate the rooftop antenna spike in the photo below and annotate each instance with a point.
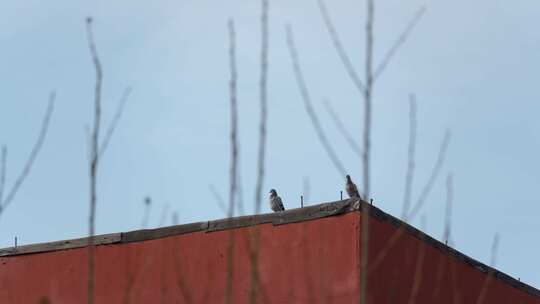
(301, 201)
(341, 195)
(15, 242)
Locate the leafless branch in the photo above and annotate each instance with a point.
(400, 41)
(364, 258)
(175, 218)
(483, 292)
(448, 214)
(254, 239)
(433, 177)
(33, 155)
(342, 129)
(306, 188)
(263, 104)
(397, 235)
(410, 165)
(494, 249)
(234, 120)
(114, 122)
(308, 104)
(219, 199)
(164, 214)
(147, 207)
(3, 168)
(95, 158)
(418, 272)
(240, 190)
(339, 48)
(234, 157)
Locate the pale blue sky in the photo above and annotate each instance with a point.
(473, 65)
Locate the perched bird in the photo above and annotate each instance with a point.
(275, 202)
(351, 189)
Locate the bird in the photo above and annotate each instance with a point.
(351, 189)
(275, 201)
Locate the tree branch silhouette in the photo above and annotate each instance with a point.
(29, 162)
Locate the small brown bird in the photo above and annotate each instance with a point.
(351, 189)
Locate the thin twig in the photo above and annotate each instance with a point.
(234, 158)
(397, 235)
(234, 121)
(418, 272)
(433, 177)
(33, 155)
(175, 218)
(114, 122)
(411, 151)
(483, 292)
(219, 199)
(146, 216)
(164, 214)
(263, 104)
(308, 104)
(306, 188)
(368, 92)
(340, 49)
(239, 189)
(399, 42)
(3, 168)
(342, 129)
(364, 258)
(448, 213)
(95, 158)
(254, 239)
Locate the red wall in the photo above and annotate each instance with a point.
(307, 262)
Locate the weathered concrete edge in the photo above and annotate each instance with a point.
(103, 239)
(290, 216)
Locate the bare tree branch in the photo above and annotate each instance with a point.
(410, 165)
(400, 41)
(3, 168)
(95, 158)
(114, 122)
(399, 233)
(308, 104)
(448, 213)
(263, 104)
(146, 216)
(434, 174)
(240, 190)
(254, 239)
(418, 272)
(234, 157)
(33, 155)
(164, 214)
(364, 258)
(175, 218)
(342, 129)
(483, 292)
(306, 188)
(340, 49)
(234, 121)
(219, 199)
(367, 96)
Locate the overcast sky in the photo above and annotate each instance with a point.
(474, 67)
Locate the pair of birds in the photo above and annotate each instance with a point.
(276, 204)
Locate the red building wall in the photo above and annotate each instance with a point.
(315, 261)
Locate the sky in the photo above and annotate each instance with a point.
(472, 65)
